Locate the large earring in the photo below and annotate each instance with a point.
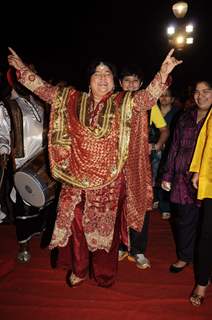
(89, 90)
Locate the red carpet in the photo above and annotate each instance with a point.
(6, 266)
(34, 291)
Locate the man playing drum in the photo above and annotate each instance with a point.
(23, 116)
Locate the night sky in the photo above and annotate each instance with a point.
(62, 43)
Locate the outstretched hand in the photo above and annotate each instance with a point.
(14, 60)
(169, 63)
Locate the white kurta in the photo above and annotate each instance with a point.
(4, 130)
(33, 117)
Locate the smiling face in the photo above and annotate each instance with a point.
(203, 95)
(102, 81)
(130, 83)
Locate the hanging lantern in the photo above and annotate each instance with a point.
(180, 9)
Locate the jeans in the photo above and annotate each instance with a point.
(155, 162)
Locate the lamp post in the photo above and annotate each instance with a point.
(179, 33)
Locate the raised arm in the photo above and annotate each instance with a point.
(31, 80)
(145, 99)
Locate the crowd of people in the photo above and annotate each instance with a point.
(113, 156)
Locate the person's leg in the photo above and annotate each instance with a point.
(6, 203)
(123, 252)
(204, 259)
(185, 223)
(78, 245)
(203, 264)
(155, 162)
(50, 214)
(187, 230)
(123, 247)
(105, 264)
(138, 240)
(138, 245)
(164, 203)
(29, 221)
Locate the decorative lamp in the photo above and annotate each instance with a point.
(180, 9)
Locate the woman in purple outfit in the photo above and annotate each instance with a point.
(177, 180)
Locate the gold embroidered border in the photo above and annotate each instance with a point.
(63, 140)
(60, 119)
(100, 132)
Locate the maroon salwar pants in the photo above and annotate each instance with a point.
(100, 265)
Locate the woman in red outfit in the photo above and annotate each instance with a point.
(98, 149)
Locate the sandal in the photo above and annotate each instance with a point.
(74, 281)
(166, 215)
(196, 299)
(24, 256)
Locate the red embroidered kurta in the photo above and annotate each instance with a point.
(88, 152)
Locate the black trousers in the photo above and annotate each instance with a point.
(185, 224)
(30, 220)
(6, 186)
(203, 261)
(138, 240)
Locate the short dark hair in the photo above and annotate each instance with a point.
(131, 70)
(208, 82)
(95, 63)
(5, 89)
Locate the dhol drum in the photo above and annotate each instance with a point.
(34, 182)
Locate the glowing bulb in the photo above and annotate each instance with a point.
(189, 28)
(170, 30)
(180, 39)
(189, 40)
(180, 9)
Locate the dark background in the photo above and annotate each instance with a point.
(63, 38)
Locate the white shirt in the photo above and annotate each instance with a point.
(33, 115)
(5, 128)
